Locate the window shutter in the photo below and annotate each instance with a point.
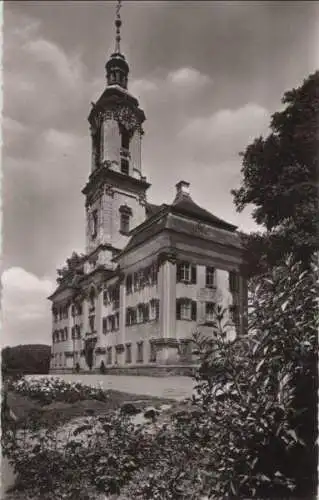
(157, 309)
(193, 275)
(178, 273)
(178, 309)
(194, 310)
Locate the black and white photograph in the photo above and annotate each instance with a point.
(159, 220)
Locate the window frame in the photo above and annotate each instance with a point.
(210, 277)
(208, 317)
(185, 269)
(140, 351)
(128, 354)
(186, 305)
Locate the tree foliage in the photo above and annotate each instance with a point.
(73, 265)
(26, 359)
(280, 178)
(260, 391)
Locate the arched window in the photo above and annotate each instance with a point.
(125, 223)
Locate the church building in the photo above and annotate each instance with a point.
(151, 275)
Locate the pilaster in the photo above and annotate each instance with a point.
(167, 345)
(167, 292)
(98, 314)
(122, 311)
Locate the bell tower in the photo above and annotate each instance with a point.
(116, 190)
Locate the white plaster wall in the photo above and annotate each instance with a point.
(135, 150)
(111, 141)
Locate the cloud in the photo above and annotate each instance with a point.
(26, 311)
(140, 87)
(41, 79)
(188, 77)
(68, 69)
(224, 133)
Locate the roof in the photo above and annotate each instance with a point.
(183, 205)
(152, 209)
(186, 206)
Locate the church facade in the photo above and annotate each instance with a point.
(151, 275)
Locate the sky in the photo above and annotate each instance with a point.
(208, 76)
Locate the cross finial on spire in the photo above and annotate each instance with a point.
(118, 24)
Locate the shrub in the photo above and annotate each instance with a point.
(250, 390)
(47, 390)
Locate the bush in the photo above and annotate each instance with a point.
(257, 426)
(48, 390)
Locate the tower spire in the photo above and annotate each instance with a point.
(118, 24)
(117, 68)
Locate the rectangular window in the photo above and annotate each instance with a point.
(140, 279)
(140, 314)
(78, 329)
(139, 356)
(109, 356)
(130, 316)
(233, 281)
(210, 311)
(116, 321)
(153, 274)
(128, 353)
(125, 223)
(210, 277)
(125, 166)
(104, 325)
(154, 309)
(186, 309)
(92, 323)
(152, 353)
(129, 284)
(186, 273)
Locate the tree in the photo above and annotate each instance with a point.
(280, 180)
(26, 359)
(73, 265)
